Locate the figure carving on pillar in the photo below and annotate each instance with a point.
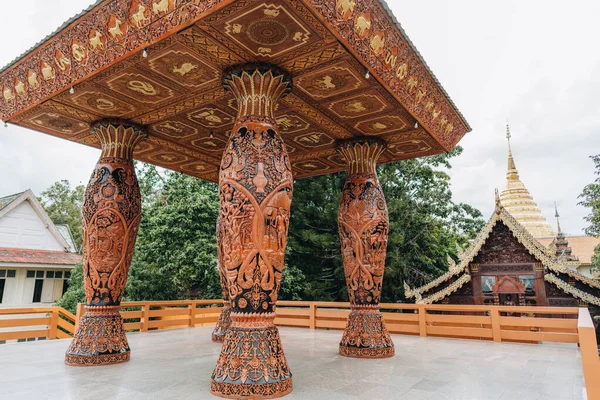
(225, 317)
(255, 189)
(111, 216)
(363, 229)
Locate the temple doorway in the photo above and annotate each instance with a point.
(509, 291)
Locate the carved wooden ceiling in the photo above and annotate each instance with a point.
(175, 90)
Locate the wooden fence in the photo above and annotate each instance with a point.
(35, 323)
(523, 324)
(497, 323)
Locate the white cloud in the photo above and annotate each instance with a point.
(530, 61)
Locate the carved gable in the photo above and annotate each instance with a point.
(502, 247)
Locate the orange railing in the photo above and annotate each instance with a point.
(497, 323)
(35, 323)
(589, 354)
(525, 324)
(151, 315)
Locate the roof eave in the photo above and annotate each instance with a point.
(39, 44)
(435, 79)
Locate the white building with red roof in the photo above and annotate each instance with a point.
(36, 256)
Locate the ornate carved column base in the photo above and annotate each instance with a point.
(252, 363)
(366, 335)
(99, 340)
(223, 323)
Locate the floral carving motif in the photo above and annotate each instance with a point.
(100, 339)
(224, 321)
(366, 336)
(110, 215)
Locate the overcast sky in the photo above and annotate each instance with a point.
(534, 62)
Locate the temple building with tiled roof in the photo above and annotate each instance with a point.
(506, 265)
(517, 259)
(517, 200)
(578, 250)
(36, 256)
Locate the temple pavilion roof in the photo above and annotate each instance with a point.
(159, 63)
(459, 274)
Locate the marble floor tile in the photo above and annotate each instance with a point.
(177, 364)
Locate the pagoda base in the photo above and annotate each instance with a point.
(252, 364)
(223, 323)
(366, 335)
(99, 340)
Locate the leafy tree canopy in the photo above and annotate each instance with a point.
(590, 198)
(176, 252)
(63, 205)
(425, 227)
(175, 255)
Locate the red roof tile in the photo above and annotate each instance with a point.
(38, 256)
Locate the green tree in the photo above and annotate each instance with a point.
(313, 245)
(175, 255)
(63, 205)
(425, 227)
(591, 199)
(75, 293)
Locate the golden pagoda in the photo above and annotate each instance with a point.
(519, 203)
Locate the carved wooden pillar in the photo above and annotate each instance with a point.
(363, 228)
(224, 321)
(111, 217)
(255, 189)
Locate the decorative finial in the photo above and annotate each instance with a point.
(512, 173)
(557, 217)
(408, 293)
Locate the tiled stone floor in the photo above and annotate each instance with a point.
(177, 364)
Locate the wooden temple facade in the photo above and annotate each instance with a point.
(506, 265)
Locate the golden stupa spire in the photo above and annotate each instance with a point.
(519, 203)
(512, 173)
